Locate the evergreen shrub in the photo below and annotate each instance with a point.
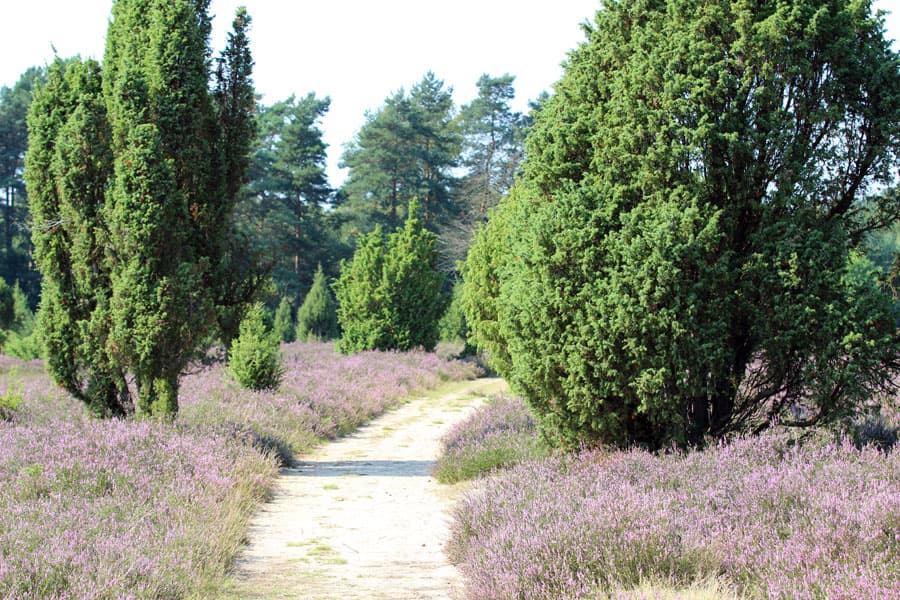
(317, 316)
(255, 358)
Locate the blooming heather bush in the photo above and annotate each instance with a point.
(149, 509)
(323, 394)
(499, 434)
(770, 519)
(120, 509)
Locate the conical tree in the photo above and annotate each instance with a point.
(413, 284)
(389, 295)
(133, 172)
(362, 297)
(675, 262)
(254, 359)
(317, 316)
(283, 326)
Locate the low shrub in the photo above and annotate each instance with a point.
(10, 401)
(499, 434)
(876, 432)
(765, 517)
(255, 359)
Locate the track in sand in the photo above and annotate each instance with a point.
(362, 517)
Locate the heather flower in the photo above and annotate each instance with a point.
(770, 519)
(150, 509)
(498, 434)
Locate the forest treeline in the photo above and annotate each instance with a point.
(456, 160)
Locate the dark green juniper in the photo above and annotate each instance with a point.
(132, 170)
(677, 260)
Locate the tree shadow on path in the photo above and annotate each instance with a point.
(373, 468)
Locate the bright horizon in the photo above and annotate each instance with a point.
(354, 51)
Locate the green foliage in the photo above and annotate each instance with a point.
(15, 229)
(10, 401)
(283, 213)
(493, 146)
(676, 261)
(133, 171)
(283, 325)
(452, 326)
(389, 295)
(22, 346)
(254, 360)
(405, 150)
(7, 305)
(317, 316)
(363, 300)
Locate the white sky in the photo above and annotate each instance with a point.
(355, 51)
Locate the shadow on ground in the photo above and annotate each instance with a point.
(377, 468)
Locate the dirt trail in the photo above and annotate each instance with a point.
(361, 517)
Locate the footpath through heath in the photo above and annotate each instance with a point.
(362, 517)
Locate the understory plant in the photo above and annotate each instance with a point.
(254, 360)
(763, 517)
(500, 434)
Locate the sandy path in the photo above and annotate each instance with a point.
(361, 517)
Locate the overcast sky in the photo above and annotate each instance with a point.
(355, 51)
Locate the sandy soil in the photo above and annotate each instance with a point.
(361, 517)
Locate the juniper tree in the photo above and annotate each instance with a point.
(283, 325)
(675, 262)
(389, 294)
(254, 359)
(317, 316)
(132, 171)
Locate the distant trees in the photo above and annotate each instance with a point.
(405, 150)
(493, 144)
(7, 306)
(675, 262)
(133, 172)
(389, 295)
(493, 148)
(283, 210)
(317, 316)
(15, 233)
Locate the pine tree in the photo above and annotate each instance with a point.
(317, 316)
(406, 149)
(133, 172)
(284, 207)
(15, 248)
